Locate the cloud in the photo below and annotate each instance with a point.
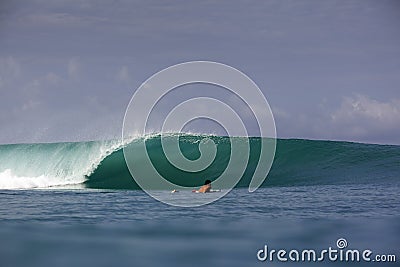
(123, 75)
(30, 96)
(364, 118)
(30, 104)
(41, 84)
(356, 118)
(280, 113)
(52, 78)
(62, 19)
(9, 69)
(364, 107)
(74, 67)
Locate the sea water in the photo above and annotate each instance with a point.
(71, 204)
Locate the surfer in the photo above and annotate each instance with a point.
(206, 188)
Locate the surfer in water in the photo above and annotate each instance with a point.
(206, 188)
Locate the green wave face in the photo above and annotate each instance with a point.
(101, 164)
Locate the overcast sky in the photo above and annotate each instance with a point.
(329, 69)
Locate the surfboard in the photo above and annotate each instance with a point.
(211, 191)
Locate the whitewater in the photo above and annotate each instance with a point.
(46, 165)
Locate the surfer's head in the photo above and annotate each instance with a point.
(207, 182)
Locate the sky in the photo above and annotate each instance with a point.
(329, 69)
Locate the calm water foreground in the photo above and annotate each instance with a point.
(86, 227)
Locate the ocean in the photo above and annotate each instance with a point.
(76, 204)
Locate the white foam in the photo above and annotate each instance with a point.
(8, 180)
(58, 167)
